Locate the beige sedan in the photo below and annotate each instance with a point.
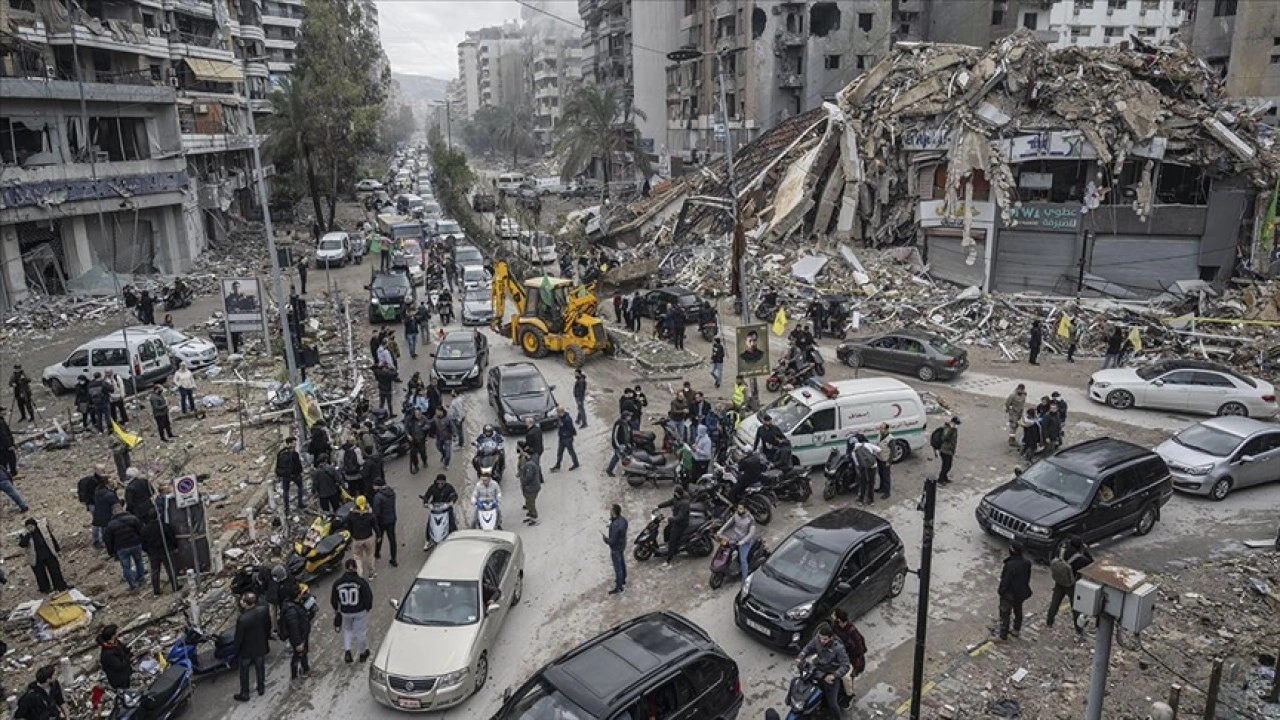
(436, 652)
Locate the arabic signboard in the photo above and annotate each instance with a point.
(1045, 216)
(1069, 145)
(918, 138)
(935, 213)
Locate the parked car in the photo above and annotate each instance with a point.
(1095, 489)
(436, 652)
(368, 185)
(579, 191)
(389, 294)
(460, 359)
(688, 301)
(508, 228)
(538, 248)
(660, 660)
(477, 306)
(1219, 455)
(334, 249)
(925, 355)
(194, 352)
(518, 391)
(1187, 386)
(475, 276)
(407, 258)
(847, 558)
(449, 232)
(140, 359)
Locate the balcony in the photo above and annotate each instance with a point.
(790, 81)
(293, 22)
(188, 45)
(261, 105)
(728, 42)
(156, 47)
(204, 143)
(252, 32)
(586, 8)
(280, 66)
(257, 69)
(195, 8)
(547, 92)
(281, 43)
(615, 25)
(785, 39)
(544, 74)
(133, 87)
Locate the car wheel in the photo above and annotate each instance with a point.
(482, 671)
(1233, 408)
(1120, 399)
(519, 590)
(1146, 521)
(926, 373)
(853, 359)
(898, 451)
(56, 386)
(1220, 489)
(899, 582)
(531, 341)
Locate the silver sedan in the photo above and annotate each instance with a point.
(1217, 456)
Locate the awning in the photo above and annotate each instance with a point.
(214, 70)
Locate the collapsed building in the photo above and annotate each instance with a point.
(1119, 172)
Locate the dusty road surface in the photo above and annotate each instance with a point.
(567, 570)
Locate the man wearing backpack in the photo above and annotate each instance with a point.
(863, 454)
(1072, 557)
(943, 441)
(855, 646)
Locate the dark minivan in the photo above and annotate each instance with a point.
(848, 558)
(656, 665)
(1095, 489)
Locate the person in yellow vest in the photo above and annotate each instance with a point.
(739, 392)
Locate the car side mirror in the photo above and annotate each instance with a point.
(1158, 383)
(1017, 472)
(1247, 459)
(843, 587)
(432, 354)
(393, 603)
(506, 694)
(366, 287)
(551, 387)
(492, 608)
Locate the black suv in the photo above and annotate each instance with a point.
(688, 301)
(657, 665)
(1095, 489)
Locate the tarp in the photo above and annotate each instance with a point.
(214, 70)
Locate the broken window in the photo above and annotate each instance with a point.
(690, 7)
(1124, 189)
(1224, 8)
(1030, 20)
(1057, 181)
(865, 21)
(1182, 185)
(1113, 31)
(1117, 4)
(864, 61)
(824, 19)
(997, 15)
(731, 105)
(1084, 4)
(27, 5)
(1147, 33)
(119, 139)
(1079, 31)
(1150, 5)
(904, 29)
(831, 62)
(26, 141)
(758, 21)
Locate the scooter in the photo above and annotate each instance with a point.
(160, 700)
(174, 300)
(725, 566)
(785, 373)
(790, 484)
(323, 546)
(439, 524)
(490, 456)
(644, 439)
(715, 487)
(841, 474)
(813, 357)
(393, 440)
(186, 651)
(696, 542)
(709, 330)
(487, 515)
(804, 695)
(639, 467)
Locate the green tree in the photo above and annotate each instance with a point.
(514, 132)
(291, 140)
(596, 123)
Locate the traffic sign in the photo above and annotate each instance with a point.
(186, 491)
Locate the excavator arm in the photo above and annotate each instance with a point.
(503, 286)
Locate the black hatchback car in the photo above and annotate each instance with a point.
(460, 360)
(1095, 489)
(389, 295)
(518, 391)
(687, 300)
(848, 558)
(656, 665)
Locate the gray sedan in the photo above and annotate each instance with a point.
(927, 356)
(1220, 455)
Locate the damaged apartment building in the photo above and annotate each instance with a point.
(124, 133)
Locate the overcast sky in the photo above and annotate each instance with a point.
(421, 36)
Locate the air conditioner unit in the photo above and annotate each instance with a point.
(50, 71)
(1075, 39)
(1111, 11)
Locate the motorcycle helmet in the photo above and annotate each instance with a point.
(488, 429)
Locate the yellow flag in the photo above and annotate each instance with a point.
(126, 437)
(1135, 339)
(1064, 326)
(780, 322)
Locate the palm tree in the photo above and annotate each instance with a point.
(512, 131)
(290, 125)
(596, 122)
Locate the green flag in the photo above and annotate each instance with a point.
(1269, 223)
(548, 300)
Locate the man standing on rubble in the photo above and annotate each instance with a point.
(1037, 338)
(118, 411)
(21, 385)
(289, 470)
(160, 411)
(947, 450)
(123, 538)
(1014, 405)
(1014, 590)
(86, 488)
(99, 402)
(8, 448)
(326, 483)
(1115, 346)
(817, 315)
(302, 273)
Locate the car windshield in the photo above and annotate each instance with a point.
(454, 349)
(544, 242)
(394, 283)
(786, 411)
(468, 256)
(1049, 478)
(1208, 440)
(442, 603)
(472, 272)
(544, 702)
(476, 295)
(169, 336)
(689, 300)
(802, 563)
(516, 385)
(448, 227)
(331, 244)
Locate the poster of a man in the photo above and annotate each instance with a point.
(242, 304)
(753, 350)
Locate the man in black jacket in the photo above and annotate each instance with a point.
(86, 488)
(326, 483)
(138, 493)
(289, 470)
(8, 450)
(319, 446)
(43, 698)
(621, 439)
(1015, 589)
(565, 435)
(417, 428)
(678, 525)
(123, 538)
(717, 361)
(297, 632)
(580, 396)
(160, 542)
(533, 438)
(252, 644)
(115, 658)
(352, 598)
(104, 499)
(616, 539)
(384, 515)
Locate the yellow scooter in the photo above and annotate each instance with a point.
(323, 546)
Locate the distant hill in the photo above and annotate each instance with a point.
(420, 88)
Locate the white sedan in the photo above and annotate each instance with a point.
(194, 352)
(368, 185)
(436, 652)
(1185, 386)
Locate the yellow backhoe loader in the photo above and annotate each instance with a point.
(551, 315)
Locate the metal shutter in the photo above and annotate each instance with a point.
(947, 260)
(1143, 264)
(1036, 261)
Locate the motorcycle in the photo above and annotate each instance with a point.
(714, 489)
(639, 466)
(841, 474)
(186, 651)
(323, 546)
(439, 523)
(393, 440)
(725, 566)
(159, 700)
(709, 330)
(174, 300)
(768, 307)
(786, 373)
(487, 515)
(644, 439)
(813, 357)
(804, 695)
(790, 484)
(490, 456)
(696, 542)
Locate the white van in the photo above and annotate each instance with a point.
(537, 247)
(821, 417)
(141, 361)
(548, 185)
(510, 182)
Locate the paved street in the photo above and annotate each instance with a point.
(567, 572)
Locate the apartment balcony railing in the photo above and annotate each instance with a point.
(790, 80)
(785, 39)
